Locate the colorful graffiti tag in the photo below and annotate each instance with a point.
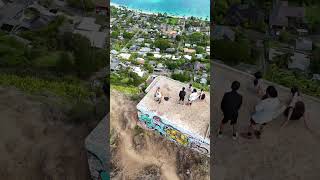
(152, 123)
(155, 123)
(176, 136)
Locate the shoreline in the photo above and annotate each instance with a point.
(156, 13)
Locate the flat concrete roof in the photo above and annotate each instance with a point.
(194, 119)
(96, 142)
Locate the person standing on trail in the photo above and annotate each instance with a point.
(158, 95)
(230, 105)
(182, 94)
(190, 87)
(193, 96)
(265, 111)
(257, 83)
(202, 95)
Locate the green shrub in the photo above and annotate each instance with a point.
(72, 91)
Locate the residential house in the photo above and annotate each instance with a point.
(114, 65)
(145, 50)
(134, 48)
(140, 40)
(12, 19)
(303, 44)
(316, 77)
(198, 66)
(189, 51)
(170, 50)
(168, 56)
(114, 52)
(199, 56)
(157, 56)
(299, 61)
(152, 63)
(125, 56)
(242, 13)
(223, 32)
(176, 58)
(188, 57)
(203, 80)
(284, 16)
(90, 29)
(140, 60)
(138, 71)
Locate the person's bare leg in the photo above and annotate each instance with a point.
(221, 127)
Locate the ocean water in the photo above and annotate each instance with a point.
(187, 8)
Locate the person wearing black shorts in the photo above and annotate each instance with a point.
(230, 105)
(182, 94)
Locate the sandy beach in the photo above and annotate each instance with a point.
(152, 13)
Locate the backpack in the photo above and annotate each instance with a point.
(203, 96)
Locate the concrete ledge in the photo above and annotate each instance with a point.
(264, 81)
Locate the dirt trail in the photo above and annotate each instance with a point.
(131, 160)
(35, 141)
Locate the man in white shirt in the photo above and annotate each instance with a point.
(193, 96)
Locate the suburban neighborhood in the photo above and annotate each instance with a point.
(156, 44)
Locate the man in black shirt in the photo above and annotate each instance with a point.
(230, 105)
(182, 94)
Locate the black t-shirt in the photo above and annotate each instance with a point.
(231, 102)
(182, 93)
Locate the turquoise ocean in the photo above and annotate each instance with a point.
(187, 8)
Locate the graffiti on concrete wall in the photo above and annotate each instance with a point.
(199, 146)
(177, 136)
(155, 123)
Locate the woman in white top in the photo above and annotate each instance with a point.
(158, 95)
(193, 96)
(265, 111)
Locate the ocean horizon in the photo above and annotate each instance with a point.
(180, 8)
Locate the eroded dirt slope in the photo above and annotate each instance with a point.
(140, 154)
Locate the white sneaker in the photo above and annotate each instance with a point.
(235, 136)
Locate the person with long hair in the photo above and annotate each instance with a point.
(296, 109)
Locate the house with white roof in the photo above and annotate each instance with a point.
(188, 57)
(157, 56)
(125, 56)
(138, 71)
(299, 61)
